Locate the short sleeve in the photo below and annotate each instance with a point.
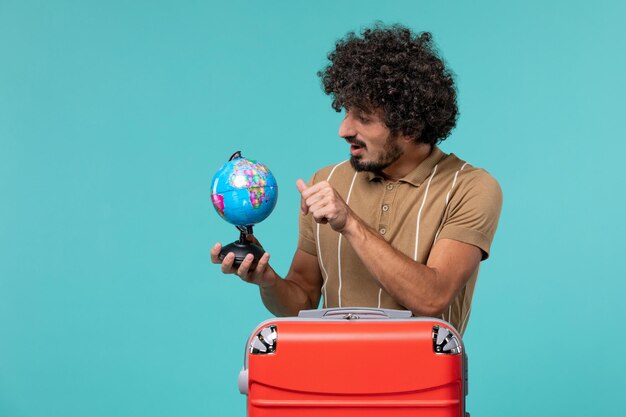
(474, 211)
(306, 235)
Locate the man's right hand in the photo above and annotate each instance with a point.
(325, 204)
(262, 275)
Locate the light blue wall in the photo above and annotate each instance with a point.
(114, 116)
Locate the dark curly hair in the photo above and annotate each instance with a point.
(391, 68)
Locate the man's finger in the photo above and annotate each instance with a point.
(322, 206)
(227, 263)
(245, 266)
(215, 253)
(262, 264)
(302, 187)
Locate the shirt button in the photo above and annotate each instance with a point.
(390, 186)
(382, 230)
(385, 207)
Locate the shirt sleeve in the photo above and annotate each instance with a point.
(306, 235)
(474, 211)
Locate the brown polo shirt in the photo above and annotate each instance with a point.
(444, 197)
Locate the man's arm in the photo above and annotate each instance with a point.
(423, 289)
(300, 290)
(426, 290)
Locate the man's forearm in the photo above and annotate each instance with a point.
(283, 297)
(412, 284)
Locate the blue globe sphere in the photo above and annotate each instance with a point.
(244, 192)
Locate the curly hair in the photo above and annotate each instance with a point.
(393, 69)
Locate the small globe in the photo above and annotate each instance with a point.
(244, 192)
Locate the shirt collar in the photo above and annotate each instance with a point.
(419, 174)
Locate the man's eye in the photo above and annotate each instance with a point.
(362, 117)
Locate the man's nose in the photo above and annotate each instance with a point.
(346, 128)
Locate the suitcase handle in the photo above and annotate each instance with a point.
(355, 313)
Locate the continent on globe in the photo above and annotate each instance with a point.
(257, 196)
(244, 192)
(248, 174)
(218, 203)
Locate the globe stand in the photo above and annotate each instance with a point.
(242, 247)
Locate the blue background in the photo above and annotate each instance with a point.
(115, 115)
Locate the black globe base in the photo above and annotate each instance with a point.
(241, 249)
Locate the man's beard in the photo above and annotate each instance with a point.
(391, 153)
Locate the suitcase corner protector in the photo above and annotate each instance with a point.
(242, 381)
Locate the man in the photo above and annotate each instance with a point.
(402, 225)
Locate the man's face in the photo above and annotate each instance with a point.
(373, 146)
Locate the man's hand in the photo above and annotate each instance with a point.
(261, 275)
(325, 204)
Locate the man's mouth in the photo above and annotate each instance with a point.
(355, 143)
(356, 149)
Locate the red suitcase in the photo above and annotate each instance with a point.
(355, 362)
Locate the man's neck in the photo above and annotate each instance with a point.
(414, 154)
